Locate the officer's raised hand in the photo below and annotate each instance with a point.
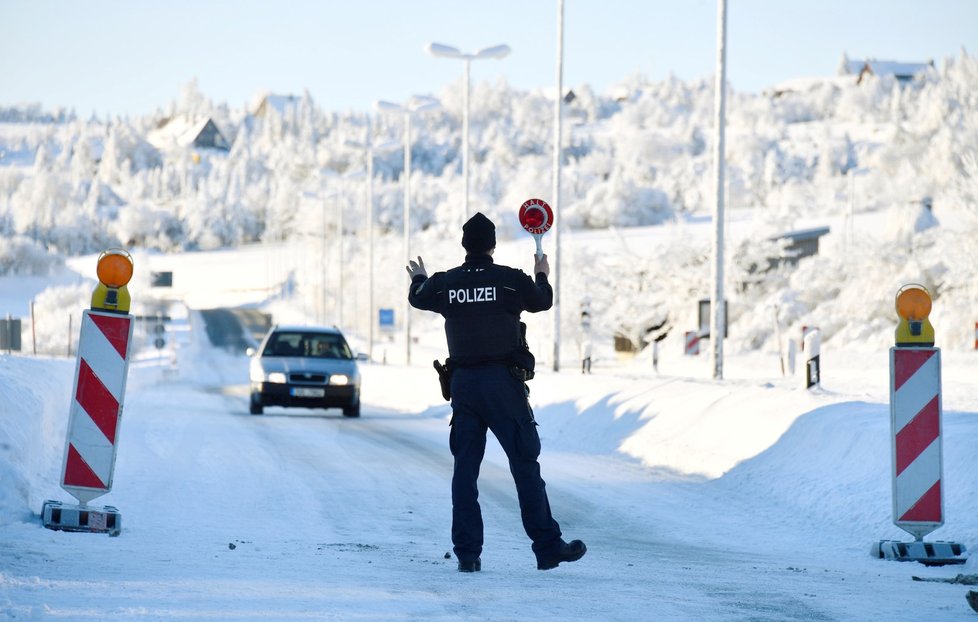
(417, 268)
(540, 264)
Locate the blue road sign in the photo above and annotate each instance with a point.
(386, 318)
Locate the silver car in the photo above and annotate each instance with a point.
(305, 367)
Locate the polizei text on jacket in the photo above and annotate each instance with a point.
(472, 294)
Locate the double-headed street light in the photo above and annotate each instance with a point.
(447, 51)
(323, 196)
(414, 105)
(369, 149)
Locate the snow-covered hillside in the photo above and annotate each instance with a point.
(862, 159)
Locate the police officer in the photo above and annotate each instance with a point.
(489, 362)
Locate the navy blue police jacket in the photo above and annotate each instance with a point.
(481, 302)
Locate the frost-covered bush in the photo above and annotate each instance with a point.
(632, 159)
(56, 310)
(25, 257)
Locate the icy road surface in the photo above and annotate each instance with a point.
(298, 514)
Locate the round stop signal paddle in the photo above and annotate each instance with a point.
(537, 218)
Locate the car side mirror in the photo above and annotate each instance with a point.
(250, 351)
(362, 356)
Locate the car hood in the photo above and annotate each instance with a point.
(288, 364)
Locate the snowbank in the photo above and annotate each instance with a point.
(34, 401)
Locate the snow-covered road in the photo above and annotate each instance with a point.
(309, 515)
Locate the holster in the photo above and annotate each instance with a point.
(524, 361)
(521, 374)
(444, 378)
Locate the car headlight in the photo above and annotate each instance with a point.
(276, 377)
(339, 379)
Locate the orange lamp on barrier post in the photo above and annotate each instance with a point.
(114, 273)
(913, 305)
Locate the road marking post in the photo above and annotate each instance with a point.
(916, 454)
(811, 345)
(95, 412)
(692, 341)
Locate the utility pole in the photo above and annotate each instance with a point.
(558, 216)
(719, 320)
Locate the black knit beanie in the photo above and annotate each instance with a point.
(478, 234)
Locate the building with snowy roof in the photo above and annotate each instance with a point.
(185, 131)
(808, 84)
(902, 72)
(279, 103)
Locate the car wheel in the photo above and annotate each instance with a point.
(254, 406)
(352, 411)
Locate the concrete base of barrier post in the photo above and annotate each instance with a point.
(68, 517)
(938, 553)
(972, 598)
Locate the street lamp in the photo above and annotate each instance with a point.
(416, 104)
(718, 320)
(447, 51)
(323, 197)
(369, 148)
(557, 204)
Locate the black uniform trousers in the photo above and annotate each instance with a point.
(491, 397)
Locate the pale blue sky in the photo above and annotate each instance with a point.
(130, 57)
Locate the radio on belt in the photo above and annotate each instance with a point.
(95, 411)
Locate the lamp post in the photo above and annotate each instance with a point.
(367, 145)
(558, 117)
(369, 149)
(446, 51)
(414, 105)
(339, 250)
(326, 179)
(719, 320)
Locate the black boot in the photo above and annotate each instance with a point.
(566, 552)
(473, 566)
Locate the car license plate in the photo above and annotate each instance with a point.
(307, 392)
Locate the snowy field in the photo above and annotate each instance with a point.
(746, 499)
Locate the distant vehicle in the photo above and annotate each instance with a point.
(304, 367)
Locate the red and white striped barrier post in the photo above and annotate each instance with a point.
(692, 341)
(915, 439)
(96, 406)
(915, 411)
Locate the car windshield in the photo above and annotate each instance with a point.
(307, 344)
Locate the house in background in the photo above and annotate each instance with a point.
(798, 244)
(279, 103)
(185, 131)
(808, 84)
(784, 250)
(902, 72)
(849, 72)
